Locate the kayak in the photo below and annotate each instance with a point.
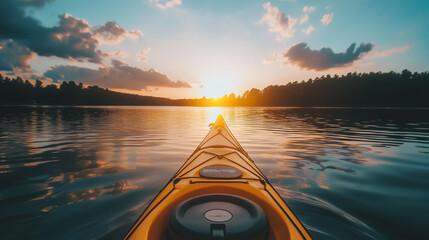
(218, 193)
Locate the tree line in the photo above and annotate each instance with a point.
(391, 89)
(378, 89)
(18, 91)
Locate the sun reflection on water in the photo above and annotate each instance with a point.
(61, 168)
(214, 112)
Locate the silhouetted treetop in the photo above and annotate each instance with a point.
(391, 89)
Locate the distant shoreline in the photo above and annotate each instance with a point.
(167, 106)
(354, 90)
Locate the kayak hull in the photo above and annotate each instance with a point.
(219, 148)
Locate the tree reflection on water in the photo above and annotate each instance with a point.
(88, 172)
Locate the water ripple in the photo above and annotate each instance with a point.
(88, 172)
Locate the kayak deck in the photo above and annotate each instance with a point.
(200, 175)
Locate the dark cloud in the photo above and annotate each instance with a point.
(72, 38)
(302, 56)
(119, 75)
(32, 3)
(14, 56)
(111, 32)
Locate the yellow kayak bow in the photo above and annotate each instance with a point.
(218, 193)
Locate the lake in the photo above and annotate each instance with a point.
(89, 172)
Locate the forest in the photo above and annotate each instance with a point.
(18, 91)
(391, 89)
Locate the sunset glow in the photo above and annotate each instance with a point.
(217, 86)
(218, 110)
(193, 49)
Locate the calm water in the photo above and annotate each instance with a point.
(88, 172)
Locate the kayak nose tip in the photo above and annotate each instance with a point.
(219, 120)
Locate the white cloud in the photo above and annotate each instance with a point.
(303, 19)
(308, 30)
(388, 52)
(327, 18)
(308, 9)
(142, 56)
(277, 57)
(120, 54)
(278, 22)
(163, 4)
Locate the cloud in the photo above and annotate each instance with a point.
(35, 76)
(302, 56)
(388, 52)
(14, 56)
(142, 56)
(69, 39)
(120, 54)
(308, 30)
(33, 3)
(278, 22)
(118, 75)
(327, 18)
(72, 38)
(162, 4)
(303, 19)
(277, 57)
(111, 32)
(308, 9)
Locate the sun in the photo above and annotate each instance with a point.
(217, 86)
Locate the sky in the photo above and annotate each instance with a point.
(191, 49)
